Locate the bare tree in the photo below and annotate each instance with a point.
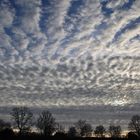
(72, 132)
(22, 117)
(100, 131)
(4, 125)
(115, 131)
(134, 124)
(59, 128)
(83, 128)
(46, 123)
(86, 130)
(132, 136)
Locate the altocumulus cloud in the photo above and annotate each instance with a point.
(70, 53)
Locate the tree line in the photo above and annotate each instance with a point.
(23, 122)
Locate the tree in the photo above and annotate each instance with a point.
(4, 125)
(59, 128)
(6, 133)
(46, 123)
(72, 132)
(114, 131)
(132, 136)
(22, 117)
(100, 131)
(86, 130)
(83, 128)
(134, 124)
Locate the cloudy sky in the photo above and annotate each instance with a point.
(71, 55)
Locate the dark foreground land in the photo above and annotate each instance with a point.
(57, 137)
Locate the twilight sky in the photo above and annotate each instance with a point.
(71, 53)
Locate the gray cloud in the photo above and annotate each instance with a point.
(53, 57)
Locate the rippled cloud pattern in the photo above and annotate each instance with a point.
(65, 53)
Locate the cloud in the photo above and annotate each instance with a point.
(24, 33)
(57, 12)
(69, 53)
(7, 17)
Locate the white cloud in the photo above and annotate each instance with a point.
(86, 72)
(6, 14)
(27, 37)
(55, 23)
(30, 15)
(116, 3)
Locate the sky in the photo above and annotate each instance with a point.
(75, 57)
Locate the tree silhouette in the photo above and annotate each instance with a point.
(6, 132)
(4, 125)
(46, 123)
(59, 128)
(100, 131)
(114, 131)
(72, 132)
(134, 124)
(132, 136)
(83, 128)
(22, 117)
(86, 130)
